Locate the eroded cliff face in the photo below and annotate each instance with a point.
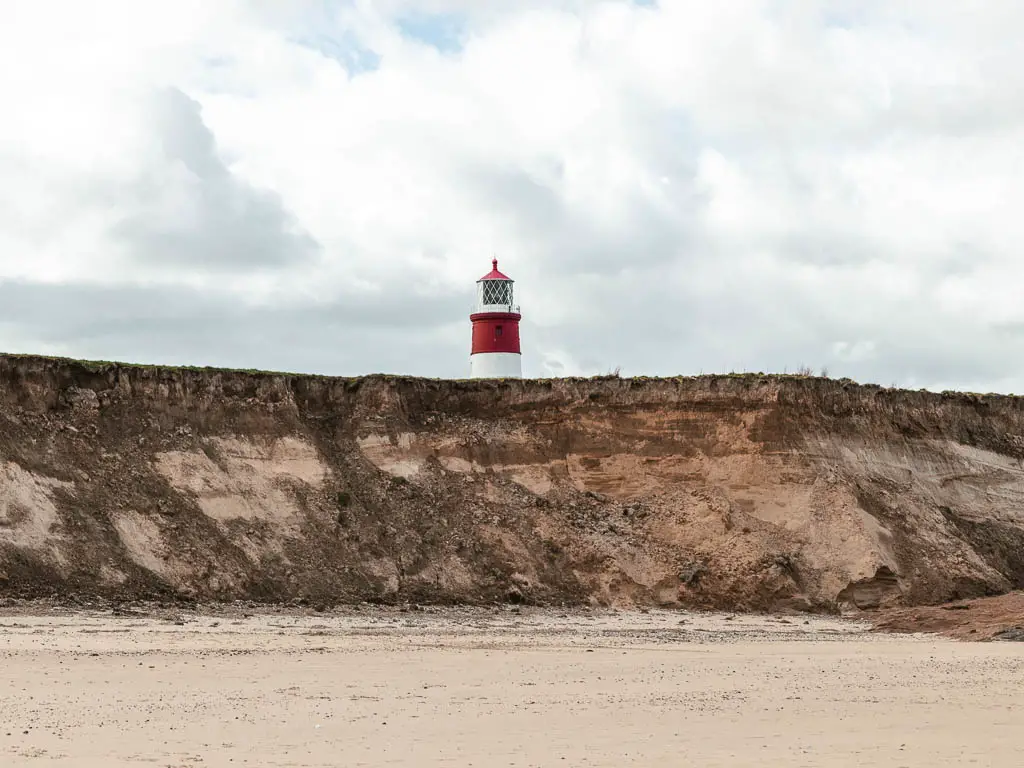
(738, 492)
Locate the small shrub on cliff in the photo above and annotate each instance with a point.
(344, 499)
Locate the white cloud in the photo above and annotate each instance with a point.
(677, 187)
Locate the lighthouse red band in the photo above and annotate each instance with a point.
(495, 351)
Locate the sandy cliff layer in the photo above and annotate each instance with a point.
(741, 492)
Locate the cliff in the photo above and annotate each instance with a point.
(739, 492)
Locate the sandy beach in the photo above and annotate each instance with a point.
(477, 687)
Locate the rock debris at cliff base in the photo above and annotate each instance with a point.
(745, 493)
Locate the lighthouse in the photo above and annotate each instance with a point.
(495, 351)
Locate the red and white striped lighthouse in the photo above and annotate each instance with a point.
(495, 353)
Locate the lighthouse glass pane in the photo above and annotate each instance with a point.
(497, 292)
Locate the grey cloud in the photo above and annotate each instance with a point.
(827, 249)
(179, 325)
(189, 209)
(567, 240)
(531, 203)
(653, 326)
(665, 330)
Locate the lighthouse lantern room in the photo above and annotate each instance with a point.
(495, 351)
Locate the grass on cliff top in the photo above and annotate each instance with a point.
(98, 366)
(804, 374)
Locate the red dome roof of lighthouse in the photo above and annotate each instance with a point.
(494, 274)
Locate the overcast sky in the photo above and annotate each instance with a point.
(676, 187)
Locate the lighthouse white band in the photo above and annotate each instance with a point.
(496, 365)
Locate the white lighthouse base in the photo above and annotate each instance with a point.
(496, 365)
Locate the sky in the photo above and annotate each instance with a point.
(677, 186)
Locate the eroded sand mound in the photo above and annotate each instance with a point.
(987, 618)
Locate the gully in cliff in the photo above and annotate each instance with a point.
(495, 351)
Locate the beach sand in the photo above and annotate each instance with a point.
(477, 687)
